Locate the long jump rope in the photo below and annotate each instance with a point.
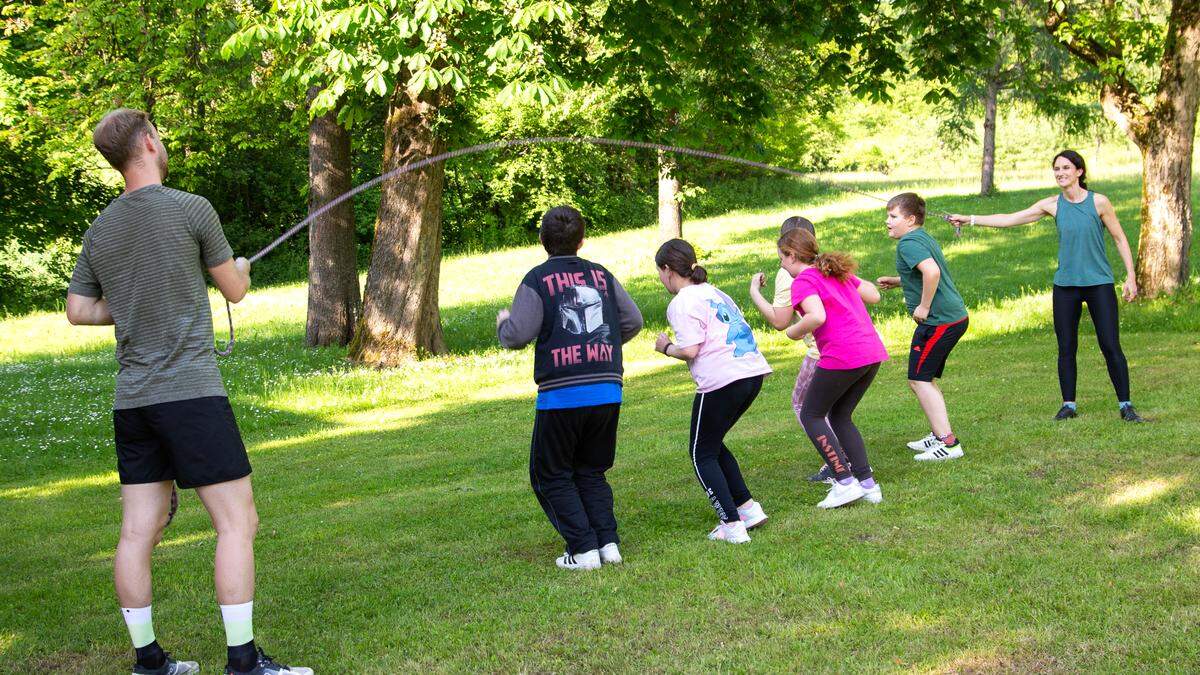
(227, 349)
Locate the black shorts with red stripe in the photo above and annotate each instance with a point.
(930, 347)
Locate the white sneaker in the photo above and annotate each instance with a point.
(873, 494)
(734, 533)
(610, 554)
(840, 495)
(753, 515)
(588, 560)
(171, 667)
(941, 453)
(928, 443)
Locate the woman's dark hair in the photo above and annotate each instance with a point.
(678, 256)
(1076, 159)
(562, 231)
(801, 245)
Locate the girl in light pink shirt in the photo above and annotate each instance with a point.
(831, 302)
(712, 336)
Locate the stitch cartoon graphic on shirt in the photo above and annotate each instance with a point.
(739, 335)
(581, 311)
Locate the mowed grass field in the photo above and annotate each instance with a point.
(399, 532)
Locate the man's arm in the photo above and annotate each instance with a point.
(232, 278)
(86, 311)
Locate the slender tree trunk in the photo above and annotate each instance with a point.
(670, 210)
(334, 303)
(987, 183)
(400, 317)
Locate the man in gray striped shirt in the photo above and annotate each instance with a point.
(141, 270)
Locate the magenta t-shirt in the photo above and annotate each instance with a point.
(847, 339)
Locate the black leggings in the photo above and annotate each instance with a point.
(713, 414)
(834, 394)
(1102, 305)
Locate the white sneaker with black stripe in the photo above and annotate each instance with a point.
(925, 444)
(588, 560)
(941, 453)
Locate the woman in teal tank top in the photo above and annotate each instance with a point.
(1084, 275)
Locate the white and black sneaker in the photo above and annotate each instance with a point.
(588, 560)
(269, 666)
(925, 444)
(941, 453)
(169, 667)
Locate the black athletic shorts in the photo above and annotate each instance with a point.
(194, 442)
(930, 347)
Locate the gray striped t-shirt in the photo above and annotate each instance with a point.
(146, 255)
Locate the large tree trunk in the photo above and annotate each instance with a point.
(670, 210)
(400, 306)
(1165, 240)
(334, 302)
(1165, 133)
(987, 183)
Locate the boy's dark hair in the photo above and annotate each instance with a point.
(797, 222)
(562, 231)
(910, 204)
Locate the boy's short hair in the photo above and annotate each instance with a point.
(909, 204)
(562, 231)
(797, 222)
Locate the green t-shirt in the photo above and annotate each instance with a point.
(912, 249)
(146, 255)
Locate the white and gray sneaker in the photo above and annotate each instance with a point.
(610, 554)
(268, 666)
(171, 667)
(941, 453)
(752, 515)
(734, 533)
(873, 494)
(588, 560)
(925, 444)
(840, 495)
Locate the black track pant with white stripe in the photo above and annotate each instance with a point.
(571, 450)
(713, 414)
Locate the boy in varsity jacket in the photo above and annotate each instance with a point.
(580, 315)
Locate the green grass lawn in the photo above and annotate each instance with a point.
(399, 532)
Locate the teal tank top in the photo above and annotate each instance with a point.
(1082, 260)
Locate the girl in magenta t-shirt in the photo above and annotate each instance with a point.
(831, 302)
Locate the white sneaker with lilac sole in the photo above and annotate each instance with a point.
(734, 533)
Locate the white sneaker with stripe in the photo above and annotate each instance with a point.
(588, 560)
(925, 444)
(941, 453)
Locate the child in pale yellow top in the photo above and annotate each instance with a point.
(780, 316)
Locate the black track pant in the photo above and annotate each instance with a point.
(571, 450)
(834, 394)
(1102, 305)
(713, 414)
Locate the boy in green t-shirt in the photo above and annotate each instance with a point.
(941, 316)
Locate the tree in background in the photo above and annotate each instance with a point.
(1024, 64)
(1148, 56)
(419, 56)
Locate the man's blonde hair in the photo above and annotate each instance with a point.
(117, 135)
